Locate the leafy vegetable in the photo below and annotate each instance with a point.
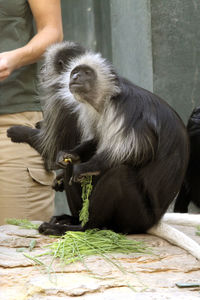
(24, 223)
(86, 185)
(76, 245)
(198, 230)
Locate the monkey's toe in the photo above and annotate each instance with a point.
(43, 227)
(52, 229)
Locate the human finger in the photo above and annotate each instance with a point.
(3, 64)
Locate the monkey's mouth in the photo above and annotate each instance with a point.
(78, 88)
(74, 87)
(74, 84)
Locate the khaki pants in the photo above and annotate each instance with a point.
(25, 186)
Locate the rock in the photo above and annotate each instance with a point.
(138, 276)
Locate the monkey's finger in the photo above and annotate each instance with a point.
(2, 77)
(62, 160)
(76, 178)
(67, 160)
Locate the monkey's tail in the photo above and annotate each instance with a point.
(182, 219)
(176, 237)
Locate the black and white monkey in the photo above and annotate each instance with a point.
(133, 142)
(190, 190)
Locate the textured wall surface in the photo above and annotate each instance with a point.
(78, 22)
(176, 52)
(120, 30)
(131, 40)
(154, 43)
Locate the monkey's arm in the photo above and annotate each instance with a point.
(58, 183)
(80, 153)
(102, 160)
(24, 134)
(97, 164)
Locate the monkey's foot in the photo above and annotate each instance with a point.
(52, 229)
(65, 158)
(57, 229)
(16, 133)
(64, 220)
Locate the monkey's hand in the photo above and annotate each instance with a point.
(58, 185)
(65, 158)
(80, 172)
(19, 134)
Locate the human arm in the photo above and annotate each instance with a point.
(47, 15)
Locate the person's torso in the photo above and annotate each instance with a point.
(18, 92)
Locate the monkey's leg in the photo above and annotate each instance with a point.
(24, 134)
(82, 152)
(118, 203)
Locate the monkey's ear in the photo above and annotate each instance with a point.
(61, 64)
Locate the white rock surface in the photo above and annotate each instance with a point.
(148, 276)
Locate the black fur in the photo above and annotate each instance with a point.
(190, 191)
(131, 194)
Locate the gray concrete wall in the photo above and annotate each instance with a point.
(131, 40)
(78, 22)
(120, 30)
(154, 43)
(176, 52)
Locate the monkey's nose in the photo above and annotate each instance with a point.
(75, 76)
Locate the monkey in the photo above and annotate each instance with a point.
(190, 191)
(132, 142)
(49, 133)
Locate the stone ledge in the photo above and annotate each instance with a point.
(145, 276)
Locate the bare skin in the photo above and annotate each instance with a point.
(47, 15)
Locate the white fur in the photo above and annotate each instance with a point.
(103, 70)
(105, 125)
(91, 123)
(182, 219)
(112, 140)
(176, 237)
(88, 129)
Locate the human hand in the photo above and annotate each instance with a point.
(8, 62)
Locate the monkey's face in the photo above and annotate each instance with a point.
(83, 83)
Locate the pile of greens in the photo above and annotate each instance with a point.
(86, 186)
(75, 245)
(198, 230)
(24, 223)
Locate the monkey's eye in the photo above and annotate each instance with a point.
(74, 73)
(87, 72)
